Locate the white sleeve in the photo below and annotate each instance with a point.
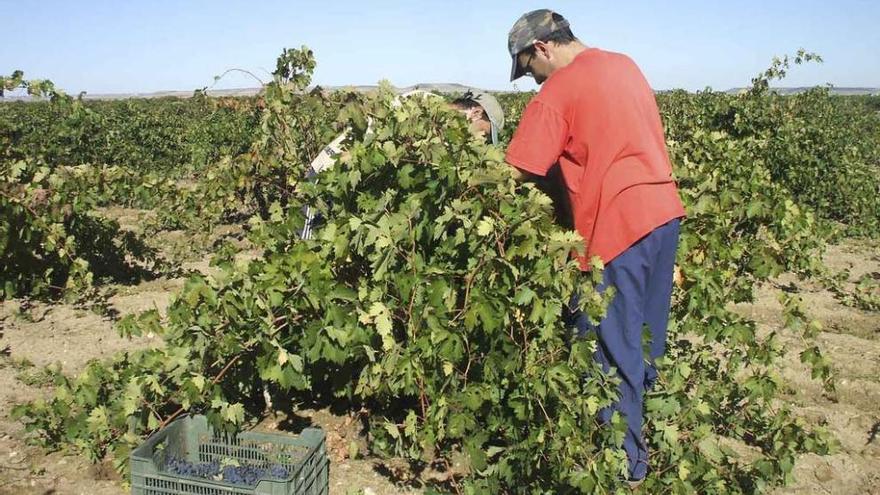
(327, 156)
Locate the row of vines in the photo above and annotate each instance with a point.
(428, 303)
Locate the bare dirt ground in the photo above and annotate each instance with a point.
(851, 340)
(45, 334)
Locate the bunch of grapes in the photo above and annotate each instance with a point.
(176, 465)
(238, 475)
(279, 472)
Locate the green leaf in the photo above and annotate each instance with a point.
(234, 413)
(392, 430)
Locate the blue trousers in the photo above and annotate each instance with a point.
(642, 276)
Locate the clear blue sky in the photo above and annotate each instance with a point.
(140, 46)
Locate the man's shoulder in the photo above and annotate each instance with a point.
(599, 56)
(559, 89)
(593, 72)
(575, 74)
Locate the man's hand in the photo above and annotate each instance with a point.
(521, 175)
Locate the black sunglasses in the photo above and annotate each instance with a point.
(527, 69)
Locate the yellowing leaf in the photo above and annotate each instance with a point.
(447, 368)
(383, 326)
(282, 357)
(485, 226)
(381, 317)
(199, 382)
(683, 470)
(392, 430)
(234, 413)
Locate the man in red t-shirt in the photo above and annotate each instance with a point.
(597, 118)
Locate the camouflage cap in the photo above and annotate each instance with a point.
(532, 26)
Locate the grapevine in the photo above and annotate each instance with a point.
(430, 298)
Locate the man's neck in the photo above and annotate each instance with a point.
(567, 53)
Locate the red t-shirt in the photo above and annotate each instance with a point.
(598, 118)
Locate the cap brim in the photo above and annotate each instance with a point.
(516, 71)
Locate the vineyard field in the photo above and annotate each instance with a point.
(152, 266)
(74, 336)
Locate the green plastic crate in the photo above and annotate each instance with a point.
(190, 438)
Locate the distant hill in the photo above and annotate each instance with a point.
(440, 87)
(835, 91)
